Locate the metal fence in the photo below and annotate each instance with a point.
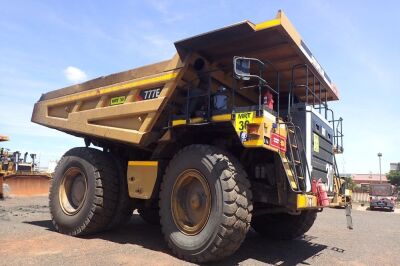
(360, 197)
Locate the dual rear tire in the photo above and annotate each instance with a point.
(88, 193)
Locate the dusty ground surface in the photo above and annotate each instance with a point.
(27, 238)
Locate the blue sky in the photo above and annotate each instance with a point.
(47, 45)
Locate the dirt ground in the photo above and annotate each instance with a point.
(27, 237)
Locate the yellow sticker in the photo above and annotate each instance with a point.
(117, 100)
(316, 143)
(242, 120)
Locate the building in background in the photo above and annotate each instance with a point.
(368, 178)
(394, 166)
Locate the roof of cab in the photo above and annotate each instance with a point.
(274, 40)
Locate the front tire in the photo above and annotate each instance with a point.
(205, 204)
(283, 226)
(84, 192)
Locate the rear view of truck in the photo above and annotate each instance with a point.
(382, 196)
(234, 131)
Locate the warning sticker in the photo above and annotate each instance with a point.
(278, 141)
(117, 100)
(316, 143)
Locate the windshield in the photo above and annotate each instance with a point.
(381, 190)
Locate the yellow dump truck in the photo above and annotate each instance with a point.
(234, 131)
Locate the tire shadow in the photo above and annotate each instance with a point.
(255, 247)
(291, 252)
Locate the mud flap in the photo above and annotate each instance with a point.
(349, 219)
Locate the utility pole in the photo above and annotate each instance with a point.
(380, 172)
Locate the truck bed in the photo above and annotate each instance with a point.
(108, 107)
(126, 106)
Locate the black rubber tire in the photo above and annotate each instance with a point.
(124, 209)
(150, 215)
(99, 205)
(231, 205)
(283, 226)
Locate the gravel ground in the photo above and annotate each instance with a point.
(27, 237)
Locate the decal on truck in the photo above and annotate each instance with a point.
(117, 100)
(242, 120)
(316, 143)
(149, 94)
(329, 176)
(278, 141)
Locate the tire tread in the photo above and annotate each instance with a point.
(106, 192)
(237, 205)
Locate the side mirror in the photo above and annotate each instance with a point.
(241, 68)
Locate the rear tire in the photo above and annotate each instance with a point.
(203, 181)
(124, 209)
(283, 226)
(84, 192)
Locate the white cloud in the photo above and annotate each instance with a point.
(74, 74)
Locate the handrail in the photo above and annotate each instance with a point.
(337, 125)
(298, 134)
(262, 82)
(322, 104)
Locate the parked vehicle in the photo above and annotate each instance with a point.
(382, 196)
(234, 131)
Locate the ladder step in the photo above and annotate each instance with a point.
(291, 130)
(294, 146)
(300, 177)
(297, 162)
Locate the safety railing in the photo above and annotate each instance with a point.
(241, 71)
(312, 87)
(198, 99)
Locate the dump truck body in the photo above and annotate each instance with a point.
(109, 107)
(93, 108)
(239, 114)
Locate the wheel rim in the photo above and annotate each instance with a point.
(191, 202)
(72, 192)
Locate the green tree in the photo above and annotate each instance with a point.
(394, 178)
(350, 182)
